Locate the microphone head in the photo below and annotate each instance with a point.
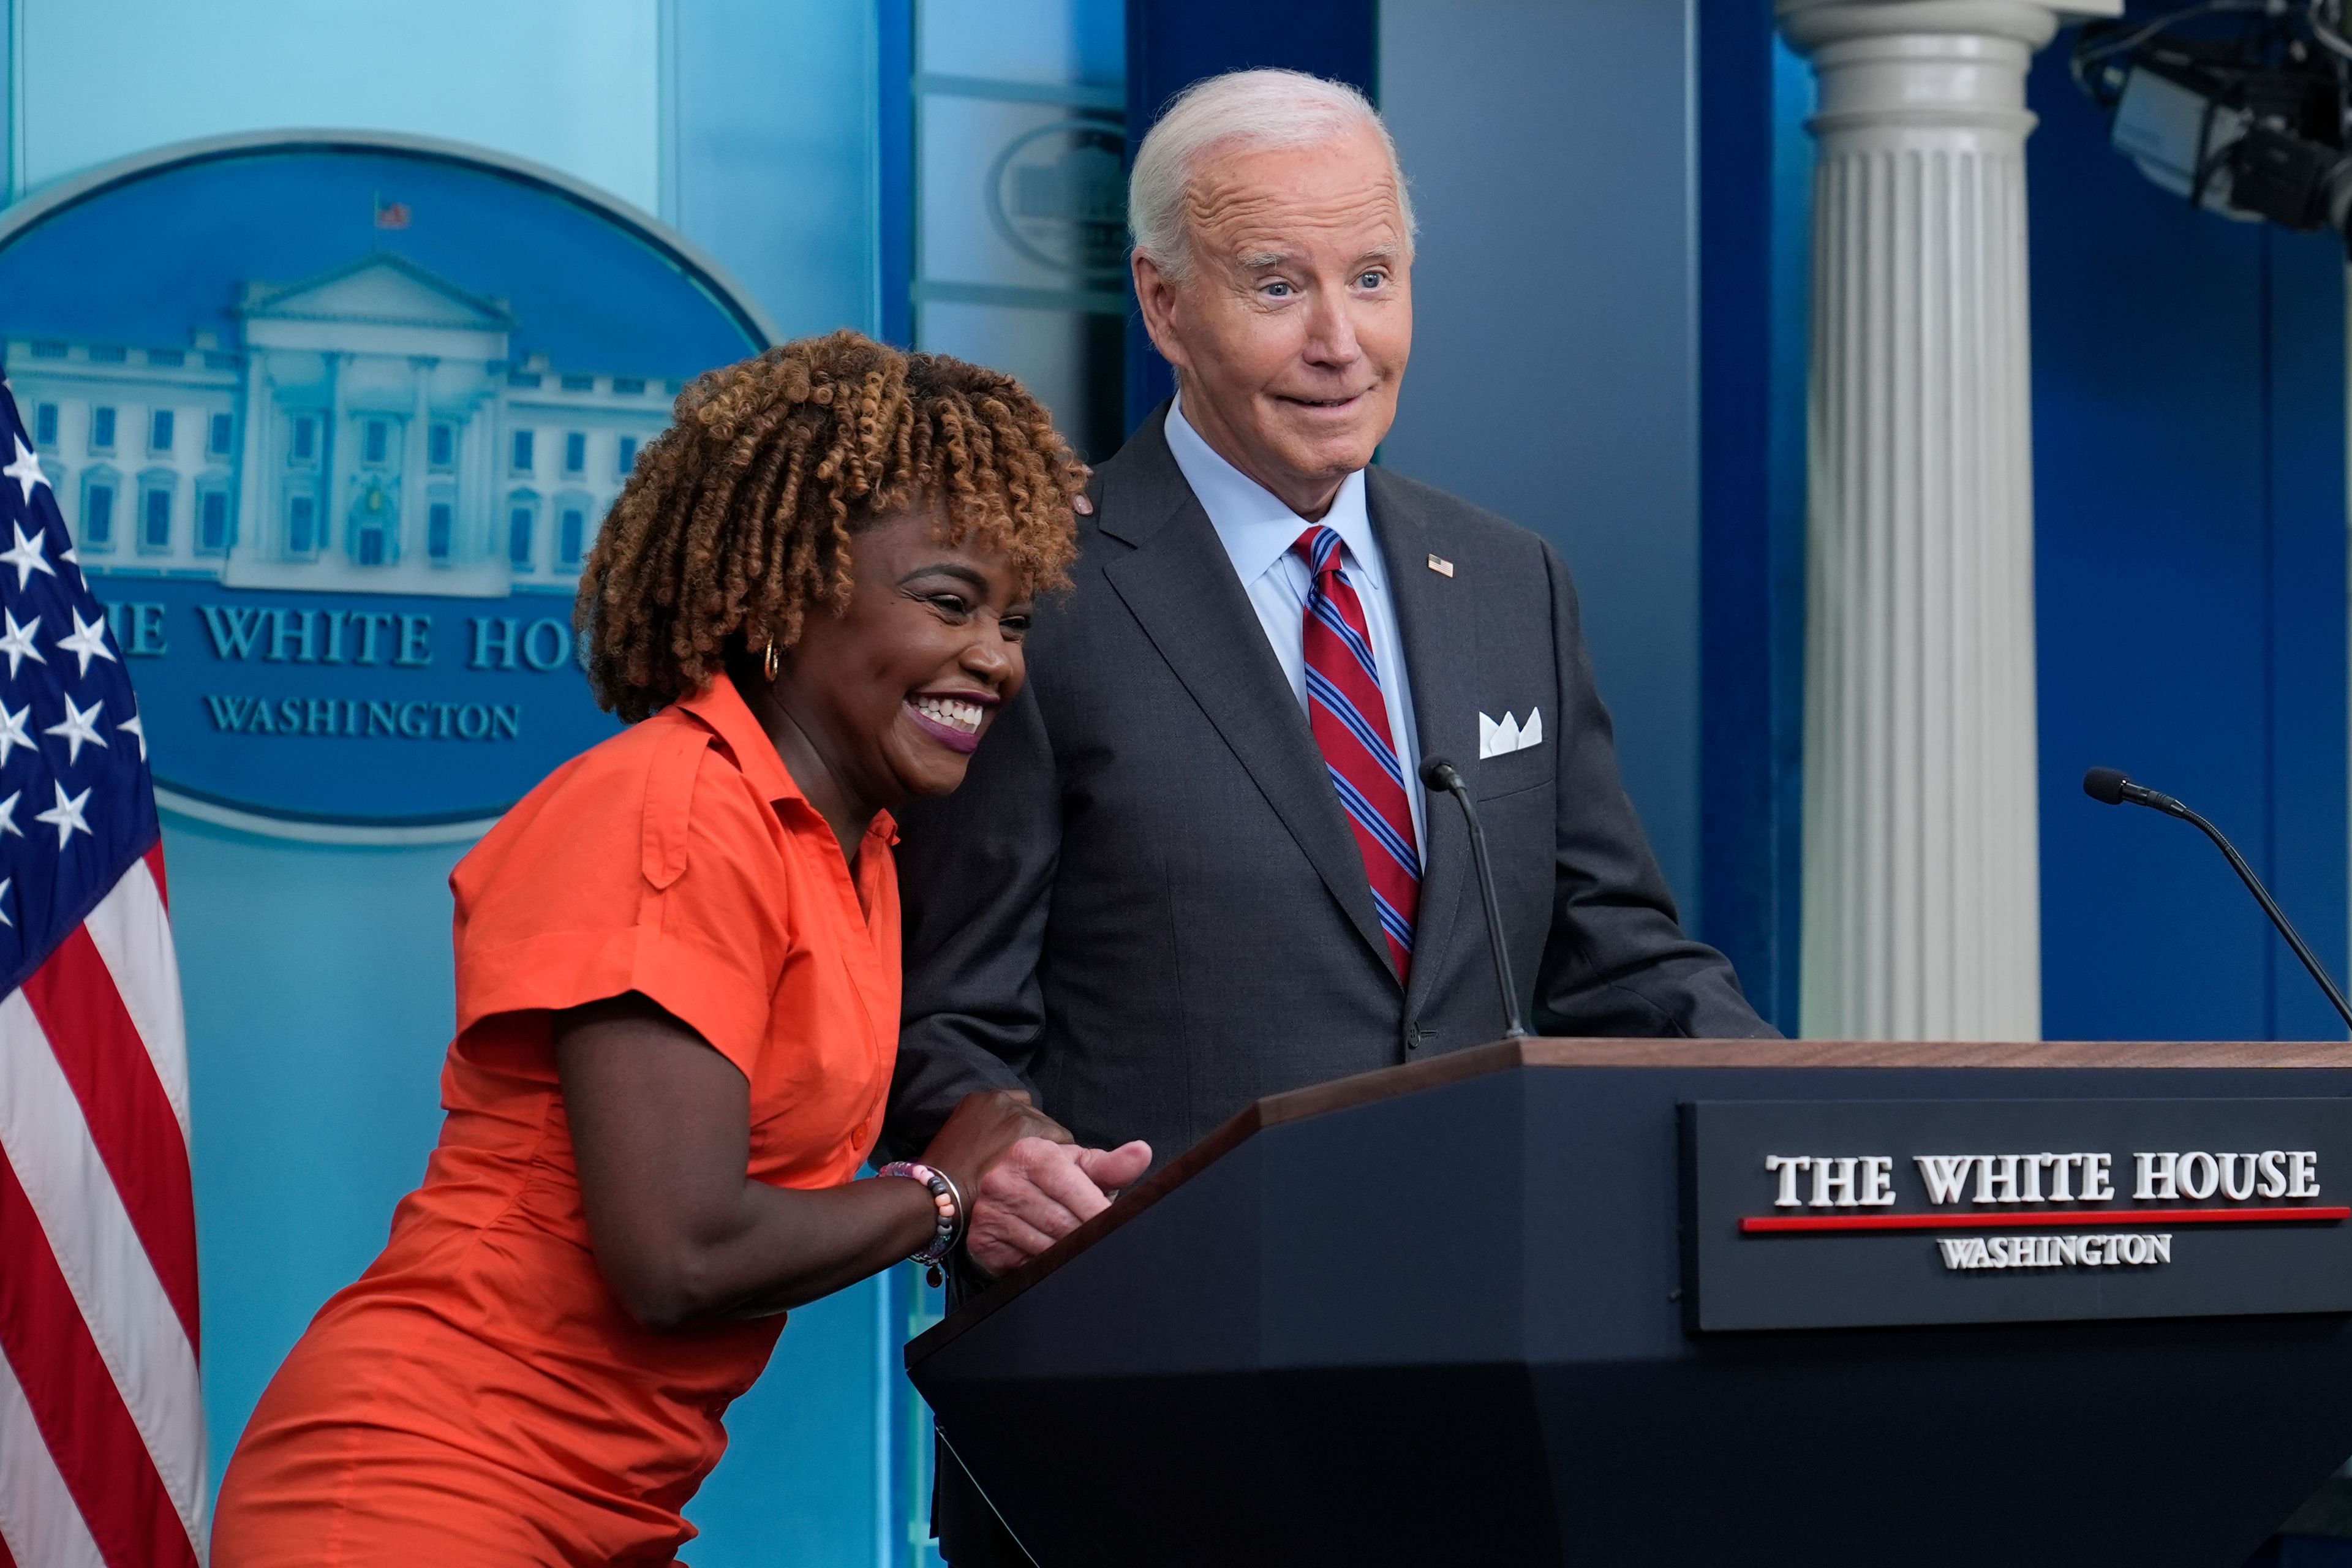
(1439, 773)
(2105, 786)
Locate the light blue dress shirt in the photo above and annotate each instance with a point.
(1258, 531)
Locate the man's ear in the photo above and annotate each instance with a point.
(1155, 291)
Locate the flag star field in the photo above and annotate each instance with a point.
(77, 806)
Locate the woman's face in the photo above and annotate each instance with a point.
(906, 681)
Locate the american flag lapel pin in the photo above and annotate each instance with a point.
(1440, 565)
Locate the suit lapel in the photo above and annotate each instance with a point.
(1440, 655)
(1179, 585)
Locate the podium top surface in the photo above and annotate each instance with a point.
(1508, 1056)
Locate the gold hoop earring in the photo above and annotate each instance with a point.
(772, 664)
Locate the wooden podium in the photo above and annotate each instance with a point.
(1551, 1301)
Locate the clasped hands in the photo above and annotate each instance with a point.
(1036, 1185)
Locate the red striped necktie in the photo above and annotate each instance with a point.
(1351, 720)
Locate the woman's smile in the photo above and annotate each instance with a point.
(955, 720)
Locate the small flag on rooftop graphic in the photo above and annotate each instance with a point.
(391, 214)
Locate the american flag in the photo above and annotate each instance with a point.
(101, 1422)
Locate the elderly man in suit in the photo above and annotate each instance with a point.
(1193, 864)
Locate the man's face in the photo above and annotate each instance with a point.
(1292, 329)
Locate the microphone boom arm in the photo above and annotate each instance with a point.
(1439, 774)
(2111, 788)
(2269, 905)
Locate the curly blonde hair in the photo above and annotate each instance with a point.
(738, 517)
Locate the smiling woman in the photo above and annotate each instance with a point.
(737, 519)
(677, 983)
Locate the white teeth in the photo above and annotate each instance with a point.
(948, 711)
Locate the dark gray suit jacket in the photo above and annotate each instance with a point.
(1146, 905)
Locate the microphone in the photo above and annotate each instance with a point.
(1438, 774)
(2109, 787)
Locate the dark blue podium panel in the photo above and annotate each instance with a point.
(1437, 1315)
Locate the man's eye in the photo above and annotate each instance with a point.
(1277, 291)
(1372, 280)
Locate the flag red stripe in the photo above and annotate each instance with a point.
(129, 1116)
(74, 1400)
(6, 1560)
(155, 858)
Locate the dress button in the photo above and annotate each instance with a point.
(1413, 1036)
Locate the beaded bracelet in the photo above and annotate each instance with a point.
(952, 1213)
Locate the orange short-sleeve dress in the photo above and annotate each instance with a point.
(480, 1397)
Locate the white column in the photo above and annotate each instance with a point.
(259, 519)
(334, 503)
(415, 469)
(1922, 884)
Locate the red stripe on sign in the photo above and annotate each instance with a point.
(75, 1401)
(130, 1118)
(1779, 1223)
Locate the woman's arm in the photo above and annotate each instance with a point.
(661, 1128)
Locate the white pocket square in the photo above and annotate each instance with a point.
(1510, 735)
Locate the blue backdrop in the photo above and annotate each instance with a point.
(2188, 400)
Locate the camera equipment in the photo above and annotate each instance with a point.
(2244, 107)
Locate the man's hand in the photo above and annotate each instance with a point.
(1040, 1192)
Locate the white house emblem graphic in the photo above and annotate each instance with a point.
(371, 433)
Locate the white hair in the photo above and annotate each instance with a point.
(1249, 109)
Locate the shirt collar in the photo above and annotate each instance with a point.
(1254, 526)
(722, 711)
